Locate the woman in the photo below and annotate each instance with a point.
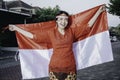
(62, 64)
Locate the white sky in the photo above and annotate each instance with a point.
(74, 6)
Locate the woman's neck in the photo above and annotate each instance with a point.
(62, 31)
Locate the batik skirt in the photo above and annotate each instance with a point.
(62, 76)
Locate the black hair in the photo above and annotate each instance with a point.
(61, 12)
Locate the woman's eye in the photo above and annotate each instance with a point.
(61, 19)
(66, 19)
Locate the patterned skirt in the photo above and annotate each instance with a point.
(62, 76)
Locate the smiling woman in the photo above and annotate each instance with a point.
(62, 21)
(62, 65)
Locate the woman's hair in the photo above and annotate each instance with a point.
(61, 12)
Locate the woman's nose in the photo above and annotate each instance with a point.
(63, 21)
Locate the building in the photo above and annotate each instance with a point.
(13, 12)
(17, 6)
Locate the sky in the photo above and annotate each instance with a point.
(74, 7)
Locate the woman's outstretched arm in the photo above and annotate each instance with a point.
(93, 19)
(25, 33)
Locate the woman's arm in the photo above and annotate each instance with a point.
(25, 33)
(93, 19)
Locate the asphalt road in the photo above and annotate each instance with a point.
(10, 69)
(106, 71)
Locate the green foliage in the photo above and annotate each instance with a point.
(114, 7)
(45, 14)
(115, 31)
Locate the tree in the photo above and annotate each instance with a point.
(112, 31)
(114, 7)
(115, 31)
(45, 14)
(118, 31)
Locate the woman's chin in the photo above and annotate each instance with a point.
(62, 27)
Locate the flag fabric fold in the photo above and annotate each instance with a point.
(91, 49)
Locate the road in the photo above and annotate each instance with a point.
(10, 69)
(106, 71)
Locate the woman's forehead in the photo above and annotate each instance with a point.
(61, 16)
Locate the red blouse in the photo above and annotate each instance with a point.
(62, 59)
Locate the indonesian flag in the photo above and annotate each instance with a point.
(91, 49)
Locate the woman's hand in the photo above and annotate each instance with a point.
(24, 32)
(12, 27)
(102, 8)
(99, 11)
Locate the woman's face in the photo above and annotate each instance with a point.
(62, 21)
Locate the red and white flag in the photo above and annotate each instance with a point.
(91, 49)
